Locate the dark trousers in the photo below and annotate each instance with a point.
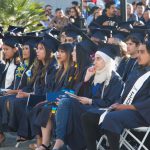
(112, 126)
(92, 132)
(90, 129)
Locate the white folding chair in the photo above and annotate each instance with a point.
(140, 143)
(99, 143)
(124, 139)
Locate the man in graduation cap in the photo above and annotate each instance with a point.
(72, 34)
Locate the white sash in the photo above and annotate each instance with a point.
(10, 74)
(129, 99)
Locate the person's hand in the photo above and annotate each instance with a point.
(113, 106)
(89, 73)
(123, 107)
(11, 92)
(85, 100)
(22, 94)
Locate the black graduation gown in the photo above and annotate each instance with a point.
(74, 135)
(20, 81)
(19, 108)
(116, 121)
(121, 66)
(129, 67)
(3, 75)
(2, 66)
(69, 82)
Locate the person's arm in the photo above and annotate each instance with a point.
(143, 105)
(124, 107)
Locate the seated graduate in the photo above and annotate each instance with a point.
(99, 89)
(130, 111)
(8, 73)
(74, 79)
(22, 76)
(36, 90)
(11, 58)
(133, 41)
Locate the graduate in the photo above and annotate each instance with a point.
(40, 116)
(36, 90)
(8, 74)
(129, 112)
(11, 59)
(132, 49)
(97, 90)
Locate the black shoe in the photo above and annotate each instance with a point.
(46, 147)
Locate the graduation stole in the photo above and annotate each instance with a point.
(136, 87)
(73, 76)
(129, 99)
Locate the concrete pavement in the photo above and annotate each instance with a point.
(10, 142)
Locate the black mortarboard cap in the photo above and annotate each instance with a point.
(53, 31)
(140, 27)
(72, 34)
(101, 34)
(50, 42)
(34, 33)
(120, 34)
(110, 49)
(71, 31)
(15, 30)
(126, 25)
(139, 34)
(89, 46)
(11, 40)
(31, 40)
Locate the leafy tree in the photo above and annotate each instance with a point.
(24, 13)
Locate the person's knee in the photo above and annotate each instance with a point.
(111, 121)
(64, 102)
(111, 117)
